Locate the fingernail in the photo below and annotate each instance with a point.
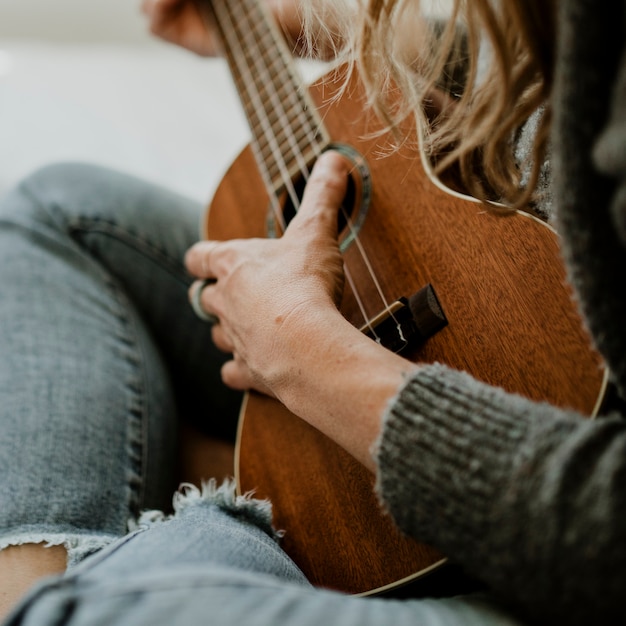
(323, 162)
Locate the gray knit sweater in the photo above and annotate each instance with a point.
(527, 497)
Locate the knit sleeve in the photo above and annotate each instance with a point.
(526, 497)
(609, 154)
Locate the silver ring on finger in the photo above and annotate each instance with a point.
(196, 303)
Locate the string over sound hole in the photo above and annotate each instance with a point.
(354, 207)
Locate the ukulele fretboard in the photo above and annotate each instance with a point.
(287, 133)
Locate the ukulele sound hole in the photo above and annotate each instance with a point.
(354, 206)
(346, 211)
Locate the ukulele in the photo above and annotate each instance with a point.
(431, 273)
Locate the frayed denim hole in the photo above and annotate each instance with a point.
(244, 507)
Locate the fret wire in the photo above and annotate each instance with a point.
(250, 98)
(307, 113)
(235, 62)
(276, 120)
(253, 39)
(266, 39)
(295, 109)
(303, 135)
(295, 169)
(257, 121)
(269, 86)
(259, 106)
(303, 109)
(301, 100)
(310, 152)
(275, 64)
(221, 10)
(293, 91)
(283, 142)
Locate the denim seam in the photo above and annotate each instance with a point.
(138, 388)
(136, 434)
(106, 228)
(249, 510)
(108, 549)
(119, 543)
(194, 580)
(132, 240)
(136, 423)
(109, 228)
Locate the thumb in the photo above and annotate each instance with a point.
(323, 195)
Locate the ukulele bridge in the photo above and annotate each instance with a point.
(408, 322)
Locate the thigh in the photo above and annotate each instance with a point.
(232, 598)
(94, 328)
(139, 234)
(217, 562)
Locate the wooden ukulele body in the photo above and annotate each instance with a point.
(512, 323)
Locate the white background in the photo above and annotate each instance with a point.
(83, 80)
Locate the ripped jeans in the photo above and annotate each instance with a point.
(100, 356)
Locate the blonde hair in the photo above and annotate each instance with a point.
(475, 133)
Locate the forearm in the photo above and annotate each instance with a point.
(517, 492)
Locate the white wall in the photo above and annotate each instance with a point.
(73, 20)
(82, 80)
(90, 20)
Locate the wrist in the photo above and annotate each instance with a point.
(306, 339)
(338, 380)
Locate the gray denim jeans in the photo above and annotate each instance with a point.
(100, 356)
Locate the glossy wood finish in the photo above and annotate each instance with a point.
(512, 323)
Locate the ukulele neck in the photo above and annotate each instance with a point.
(287, 132)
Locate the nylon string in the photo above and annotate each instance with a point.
(238, 56)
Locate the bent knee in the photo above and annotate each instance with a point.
(55, 193)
